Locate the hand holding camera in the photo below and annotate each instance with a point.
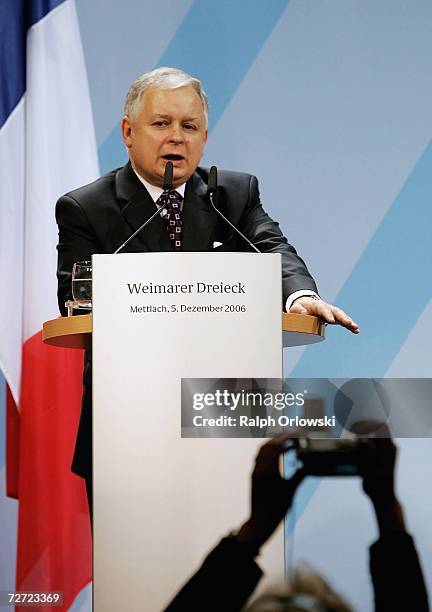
(271, 494)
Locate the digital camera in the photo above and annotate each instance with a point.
(329, 456)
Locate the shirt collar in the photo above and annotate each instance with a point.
(156, 192)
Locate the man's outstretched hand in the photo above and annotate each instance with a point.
(329, 313)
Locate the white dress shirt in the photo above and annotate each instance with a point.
(156, 192)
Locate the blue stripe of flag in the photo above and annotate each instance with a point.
(16, 17)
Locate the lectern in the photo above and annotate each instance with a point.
(161, 502)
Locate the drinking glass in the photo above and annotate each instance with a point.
(82, 284)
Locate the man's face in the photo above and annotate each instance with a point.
(169, 125)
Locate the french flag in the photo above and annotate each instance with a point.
(47, 147)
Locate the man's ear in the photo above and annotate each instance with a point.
(126, 130)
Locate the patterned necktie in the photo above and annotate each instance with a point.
(173, 220)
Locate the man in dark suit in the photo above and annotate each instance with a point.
(166, 119)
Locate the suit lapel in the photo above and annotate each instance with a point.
(198, 217)
(136, 207)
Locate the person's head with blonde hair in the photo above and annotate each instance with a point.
(305, 591)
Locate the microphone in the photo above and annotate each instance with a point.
(168, 177)
(167, 187)
(211, 190)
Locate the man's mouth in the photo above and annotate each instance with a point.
(172, 157)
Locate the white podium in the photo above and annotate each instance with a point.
(162, 502)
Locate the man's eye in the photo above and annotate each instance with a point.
(159, 123)
(189, 126)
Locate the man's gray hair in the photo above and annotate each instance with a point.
(165, 78)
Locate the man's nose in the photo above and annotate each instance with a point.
(175, 136)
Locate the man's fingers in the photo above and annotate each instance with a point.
(329, 313)
(334, 314)
(298, 309)
(342, 318)
(319, 308)
(324, 310)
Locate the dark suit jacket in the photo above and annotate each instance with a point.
(99, 217)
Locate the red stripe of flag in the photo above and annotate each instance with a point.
(54, 537)
(12, 445)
